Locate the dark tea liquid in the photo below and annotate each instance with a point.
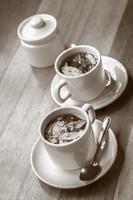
(64, 129)
(78, 63)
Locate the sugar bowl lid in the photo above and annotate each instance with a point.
(37, 29)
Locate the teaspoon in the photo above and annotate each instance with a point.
(94, 169)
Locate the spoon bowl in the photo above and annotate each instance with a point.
(94, 169)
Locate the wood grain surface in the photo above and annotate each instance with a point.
(25, 94)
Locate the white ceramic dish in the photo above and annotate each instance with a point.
(110, 93)
(50, 174)
(40, 40)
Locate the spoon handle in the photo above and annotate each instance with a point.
(104, 130)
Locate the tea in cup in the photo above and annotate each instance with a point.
(80, 69)
(68, 137)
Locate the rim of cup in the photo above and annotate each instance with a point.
(56, 110)
(72, 49)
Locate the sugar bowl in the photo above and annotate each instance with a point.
(40, 39)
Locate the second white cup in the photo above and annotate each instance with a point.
(84, 87)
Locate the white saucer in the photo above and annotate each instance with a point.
(47, 172)
(110, 93)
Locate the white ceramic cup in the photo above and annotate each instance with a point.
(84, 87)
(77, 153)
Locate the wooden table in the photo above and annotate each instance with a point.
(25, 94)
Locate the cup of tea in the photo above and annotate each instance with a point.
(80, 69)
(68, 136)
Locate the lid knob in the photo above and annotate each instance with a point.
(37, 22)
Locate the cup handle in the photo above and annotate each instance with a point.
(70, 45)
(109, 78)
(90, 111)
(57, 90)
